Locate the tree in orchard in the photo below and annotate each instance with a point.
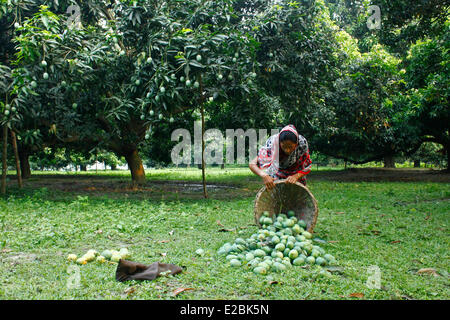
(358, 124)
(425, 104)
(358, 19)
(297, 58)
(13, 15)
(401, 22)
(296, 54)
(404, 22)
(5, 86)
(106, 84)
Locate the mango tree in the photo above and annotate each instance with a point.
(105, 85)
(13, 15)
(5, 85)
(359, 123)
(426, 101)
(296, 51)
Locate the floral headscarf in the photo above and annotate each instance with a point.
(298, 161)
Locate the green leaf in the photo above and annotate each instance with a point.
(45, 21)
(196, 64)
(219, 37)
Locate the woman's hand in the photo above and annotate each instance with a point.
(268, 181)
(293, 179)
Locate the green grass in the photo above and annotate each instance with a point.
(398, 227)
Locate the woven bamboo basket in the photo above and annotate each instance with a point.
(285, 197)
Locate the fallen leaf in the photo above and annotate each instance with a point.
(6, 250)
(357, 295)
(220, 224)
(180, 290)
(163, 241)
(429, 271)
(428, 216)
(396, 241)
(129, 290)
(225, 230)
(273, 282)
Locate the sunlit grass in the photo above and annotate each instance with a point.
(397, 227)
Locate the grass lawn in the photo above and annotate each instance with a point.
(397, 228)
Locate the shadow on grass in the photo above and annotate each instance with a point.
(177, 185)
(100, 189)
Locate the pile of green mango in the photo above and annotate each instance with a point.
(282, 242)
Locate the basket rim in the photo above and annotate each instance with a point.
(264, 189)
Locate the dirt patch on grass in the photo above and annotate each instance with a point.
(116, 187)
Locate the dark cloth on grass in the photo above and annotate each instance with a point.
(129, 270)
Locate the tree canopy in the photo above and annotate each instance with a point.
(119, 75)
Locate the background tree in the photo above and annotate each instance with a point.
(427, 99)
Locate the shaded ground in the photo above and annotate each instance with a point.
(98, 185)
(382, 175)
(115, 188)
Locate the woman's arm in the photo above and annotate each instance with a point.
(268, 180)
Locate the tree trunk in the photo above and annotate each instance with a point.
(416, 163)
(83, 167)
(4, 158)
(16, 156)
(447, 150)
(389, 161)
(135, 165)
(24, 164)
(113, 167)
(202, 111)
